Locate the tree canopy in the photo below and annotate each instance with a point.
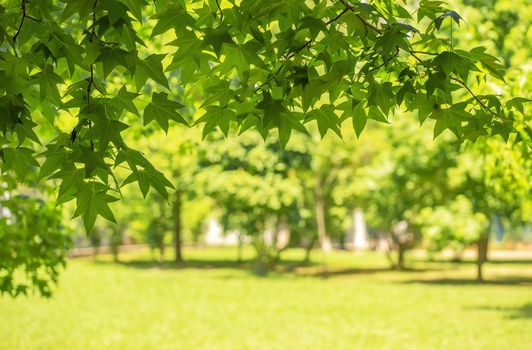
(78, 75)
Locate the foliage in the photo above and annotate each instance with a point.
(454, 225)
(496, 178)
(33, 241)
(261, 64)
(408, 175)
(254, 184)
(156, 234)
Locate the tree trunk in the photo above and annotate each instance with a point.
(115, 253)
(240, 248)
(161, 253)
(116, 241)
(390, 246)
(272, 249)
(308, 249)
(400, 257)
(482, 253)
(262, 260)
(96, 252)
(177, 228)
(321, 224)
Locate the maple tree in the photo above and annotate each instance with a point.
(263, 64)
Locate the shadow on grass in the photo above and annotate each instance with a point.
(207, 264)
(472, 261)
(188, 264)
(499, 281)
(519, 312)
(286, 266)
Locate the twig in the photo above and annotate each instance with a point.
(91, 67)
(93, 26)
(482, 104)
(366, 23)
(220, 9)
(23, 8)
(344, 11)
(425, 52)
(385, 61)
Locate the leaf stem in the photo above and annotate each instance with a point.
(23, 8)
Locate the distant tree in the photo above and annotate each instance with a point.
(177, 157)
(33, 240)
(454, 225)
(253, 187)
(409, 175)
(495, 177)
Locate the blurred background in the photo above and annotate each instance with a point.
(388, 240)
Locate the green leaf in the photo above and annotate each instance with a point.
(107, 130)
(449, 118)
(21, 160)
(152, 68)
(289, 122)
(174, 16)
(450, 62)
(149, 177)
(124, 100)
(92, 161)
(90, 204)
(72, 178)
(375, 113)
(48, 81)
(112, 57)
(161, 109)
(135, 7)
(215, 38)
(326, 119)
(359, 118)
(55, 157)
(518, 103)
(272, 109)
(381, 95)
(452, 14)
(216, 116)
(134, 159)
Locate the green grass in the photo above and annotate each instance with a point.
(216, 304)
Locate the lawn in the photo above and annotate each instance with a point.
(214, 303)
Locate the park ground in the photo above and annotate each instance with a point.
(213, 302)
